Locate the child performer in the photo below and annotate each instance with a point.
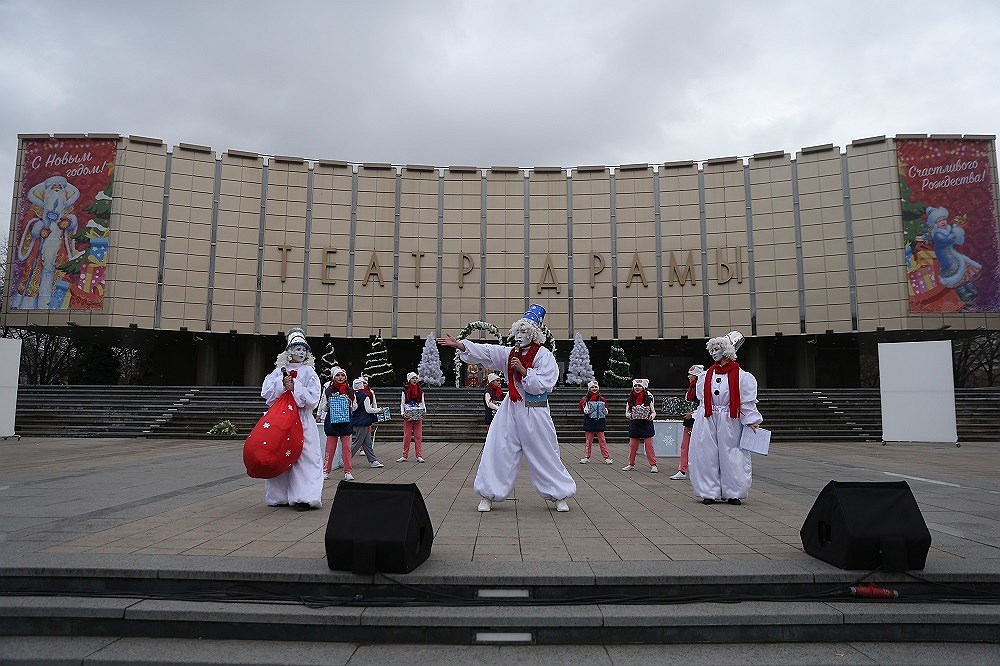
(413, 426)
(337, 432)
(595, 421)
(362, 419)
(693, 373)
(640, 412)
(493, 397)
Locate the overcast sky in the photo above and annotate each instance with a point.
(540, 83)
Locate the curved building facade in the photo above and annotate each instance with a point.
(243, 245)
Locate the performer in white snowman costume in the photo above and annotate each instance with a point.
(719, 468)
(522, 425)
(302, 485)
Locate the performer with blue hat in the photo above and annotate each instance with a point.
(522, 425)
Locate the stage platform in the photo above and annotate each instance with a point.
(158, 540)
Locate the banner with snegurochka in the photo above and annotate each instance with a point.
(60, 245)
(949, 225)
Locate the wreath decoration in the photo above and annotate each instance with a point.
(485, 326)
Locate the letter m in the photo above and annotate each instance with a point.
(681, 273)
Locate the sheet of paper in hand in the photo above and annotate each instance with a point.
(755, 441)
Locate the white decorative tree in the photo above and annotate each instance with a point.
(429, 368)
(580, 370)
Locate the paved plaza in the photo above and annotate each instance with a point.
(192, 497)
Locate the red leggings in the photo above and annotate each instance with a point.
(600, 441)
(633, 446)
(331, 451)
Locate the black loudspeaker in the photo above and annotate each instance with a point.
(866, 525)
(378, 527)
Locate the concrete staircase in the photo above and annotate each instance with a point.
(454, 415)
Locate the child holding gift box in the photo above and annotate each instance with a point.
(640, 412)
(413, 409)
(595, 421)
(337, 429)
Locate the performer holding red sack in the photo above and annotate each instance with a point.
(294, 371)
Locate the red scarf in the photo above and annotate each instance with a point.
(731, 368)
(341, 388)
(495, 391)
(413, 392)
(637, 398)
(527, 360)
(367, 391)
(591, 397)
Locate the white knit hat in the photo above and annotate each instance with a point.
(593, 385)
(492, 378)
(337, 370)
(296, 337)
(359, 384)
(411, 375)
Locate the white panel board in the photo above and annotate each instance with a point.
(10, 367)
(918, 392)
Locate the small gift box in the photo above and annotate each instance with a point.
(536, 399)
(642, 412)
(340, 409)
(384, 415)
(597, 410)
(414, 412)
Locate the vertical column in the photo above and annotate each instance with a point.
(635, 226)
(773, 238)
(286, 245)
(164, 217)
(796, 210)
(548, 246)
(330, 246)
(463, 248)
(706, 310)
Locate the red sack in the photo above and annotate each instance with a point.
(275, 443)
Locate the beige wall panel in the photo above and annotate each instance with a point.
(505, 287)
(374, 241)
(188, 221)
(462, 232)
(680, 226)
(244, 209)
(724, 187)
(592, 312)
(284, 225)
(635, 228)
(548, 238)
(331, 227)
(418, 232)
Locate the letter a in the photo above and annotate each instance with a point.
(373, 269)
(548, 279)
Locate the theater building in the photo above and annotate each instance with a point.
(208, 258)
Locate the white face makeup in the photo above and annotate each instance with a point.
(523, 338)
(716, 351)
(297, 354)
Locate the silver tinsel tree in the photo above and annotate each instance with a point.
(377, 367)
(429, 369)
(328, 360)
(580, 370)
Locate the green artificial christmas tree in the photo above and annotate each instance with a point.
(377, 367)
(619, 372)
